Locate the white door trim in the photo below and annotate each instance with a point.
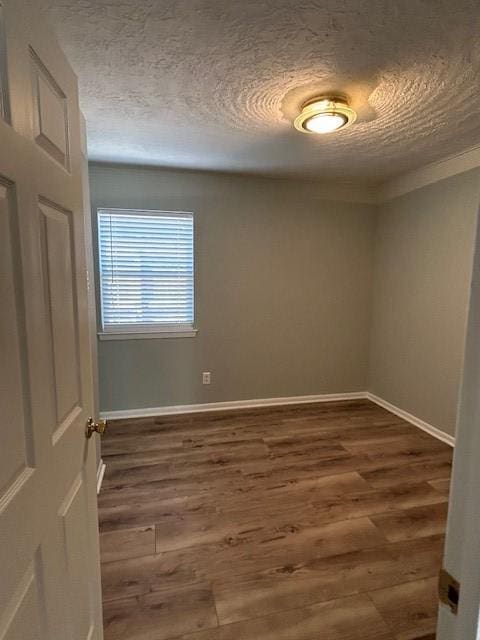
(462, 547)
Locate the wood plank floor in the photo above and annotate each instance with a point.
(304, 522)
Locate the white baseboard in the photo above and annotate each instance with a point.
(421, 424)
(272, 402)
(100, 473)
(225, 406)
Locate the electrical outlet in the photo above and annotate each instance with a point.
(206, 377)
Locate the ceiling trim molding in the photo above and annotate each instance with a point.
(430, 173)
(354, 191)
(345, 191)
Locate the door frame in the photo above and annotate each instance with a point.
(462, 545)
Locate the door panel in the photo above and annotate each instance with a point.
(50, 112)
(49, 560)
(75, 541)
(16, 434)
(59, 270)
(25, 616)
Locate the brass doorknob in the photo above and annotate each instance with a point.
(95, 427)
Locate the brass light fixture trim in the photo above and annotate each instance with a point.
(325, 114)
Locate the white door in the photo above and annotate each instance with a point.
(462, 549)
(49, 561)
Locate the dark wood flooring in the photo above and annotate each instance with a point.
(307, 522)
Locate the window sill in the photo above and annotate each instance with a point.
(147, 335)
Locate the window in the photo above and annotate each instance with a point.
(146, 273)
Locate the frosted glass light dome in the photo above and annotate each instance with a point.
(325, 122)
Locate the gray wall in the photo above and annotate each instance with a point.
(298, 294)
(424, 251)
(283, 282)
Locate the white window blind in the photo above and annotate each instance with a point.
(146, 270)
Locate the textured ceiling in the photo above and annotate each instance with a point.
(214, 84)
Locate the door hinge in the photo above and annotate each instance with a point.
(449, 590)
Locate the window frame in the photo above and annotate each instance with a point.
(138, 331)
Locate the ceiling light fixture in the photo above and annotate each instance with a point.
(324, 115)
